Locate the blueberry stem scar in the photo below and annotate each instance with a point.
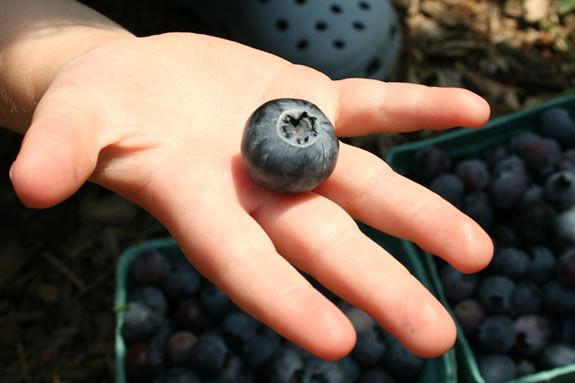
(297, 128)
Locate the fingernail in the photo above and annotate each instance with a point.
(10, 171)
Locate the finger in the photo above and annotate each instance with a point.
(59, 151)
(370, 106)
(381, 198)
(227, 246)
(317, 236)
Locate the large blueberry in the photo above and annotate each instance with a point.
(457, 285)
(289, 145)
(285, 366)
(317, 370)
(496, 368)
(140, 322)
(557, 123)
(400, 362)
(557, 355)
(469, 314)
(150, 268)
(152, 297)
(370, 348)
(495, 293)
(497, 334)
(179, 347)
(532, 334)
(510, 262)
(430, 162)
(142, 362)
(559, 189)
(566, 269)
(209, 353)
(541, 264)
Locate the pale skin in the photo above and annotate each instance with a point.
(159, 120)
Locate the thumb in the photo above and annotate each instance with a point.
(59, 151)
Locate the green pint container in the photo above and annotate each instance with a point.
(437, 370)
(461, 143)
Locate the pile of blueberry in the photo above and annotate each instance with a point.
(179, 328)
(519, 313)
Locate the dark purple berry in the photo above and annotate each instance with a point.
(161, 337)
(235, 371)
(557, 355)
(285, 366)
(449, 187)
(350, 368)
(526, 298)
(564, 229)
(209, 354)
(431, 162)
(497, 334)
(504, 236)
(376, 375)
(469, 315)
(567, 161)
(510, 165)
(477, 206)
(533, 221)
(182, 283)
(360, 320)
(142, 363)
(238, 327)
(302, 352)
(260, 348)
(473, 173)
(216, 303)
(558, 124)
(150, 268)
(534, 193)
(494, 154)
(400, 362)
(495, 368)
(457, 285)
(289, 145)
(558, 298)
(317, 370)
(566, 267)
(370, 348)
(140, 322)
(179, 348)
(523, 142)
(510, 262)
(190, 315)
(541, 265)
(507, 190)
(495, 293)
(539, 154)
(533, 334)
(559, 189)
(151, 297)
(564, 330)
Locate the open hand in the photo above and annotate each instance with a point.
(159, 120)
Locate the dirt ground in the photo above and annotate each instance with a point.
(57, 265)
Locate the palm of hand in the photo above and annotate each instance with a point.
(159, 120)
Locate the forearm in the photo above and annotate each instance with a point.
(37, 37)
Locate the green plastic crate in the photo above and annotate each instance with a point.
(461, 143)
(437, 370)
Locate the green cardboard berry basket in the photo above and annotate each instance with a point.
(460, 143)
(437, 370)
